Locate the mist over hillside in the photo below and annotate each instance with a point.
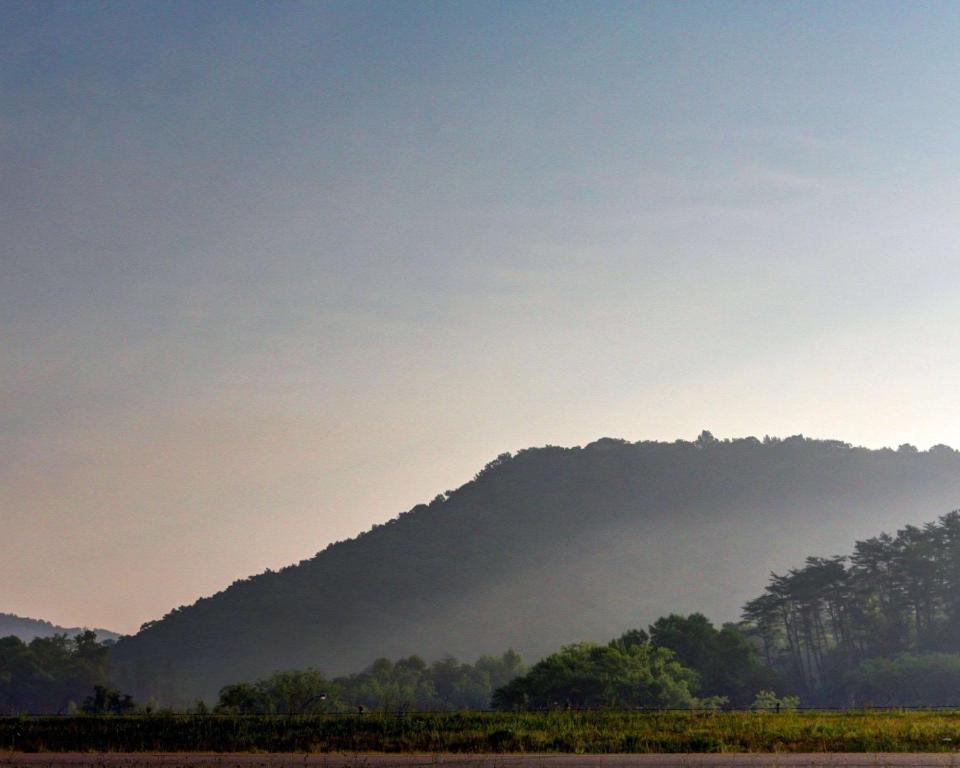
(27, 629)
(549, 546)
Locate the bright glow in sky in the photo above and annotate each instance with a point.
(271, 273)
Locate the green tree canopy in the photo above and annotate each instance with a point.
(909, 680)
(280, 693)
(402, 685)
(626, 672)
(48, 673)
(727, 663)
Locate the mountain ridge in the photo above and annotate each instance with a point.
(548, 546)
(27, 629)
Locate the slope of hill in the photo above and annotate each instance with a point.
(547, 547)
(27, 629)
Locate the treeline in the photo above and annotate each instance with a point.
(626, 672)
(409, 684)
(880, 626)
(57, 674)
(681, 662)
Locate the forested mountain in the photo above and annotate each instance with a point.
(547, 547)
(27, 629)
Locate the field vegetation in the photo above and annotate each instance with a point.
(532, 732)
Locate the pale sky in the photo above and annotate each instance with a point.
(273, 272)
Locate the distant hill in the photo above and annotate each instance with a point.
(27, 629)
(547, 547)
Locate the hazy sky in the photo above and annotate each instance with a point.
(273, 272)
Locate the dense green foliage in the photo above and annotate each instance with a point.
(294, 692)
(909, 680)
(106, 701)
(405, 685)
(638, 669)
(444, 685)
(726, 662)
(50, 674)
(683, 662)
(881, 626)
(555, 731)
(628, 672)
(550, 544)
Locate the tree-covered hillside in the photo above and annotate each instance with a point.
(547, 547)
(27, 629)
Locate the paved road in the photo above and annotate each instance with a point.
(245, 760)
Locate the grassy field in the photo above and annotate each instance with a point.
(574, 732)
